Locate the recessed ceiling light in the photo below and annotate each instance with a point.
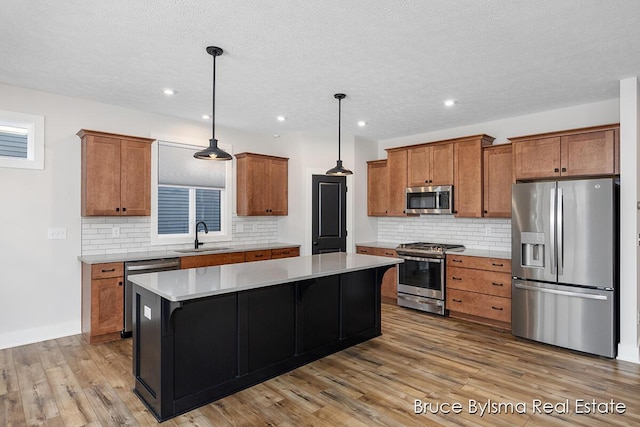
(168, 91)
(276, 136)
(206, 116)
(281, 118)
(362, 123)
(449, 102)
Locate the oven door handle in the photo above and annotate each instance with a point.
(420, 259)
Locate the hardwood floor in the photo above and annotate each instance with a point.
(66, 382)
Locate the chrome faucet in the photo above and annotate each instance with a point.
(206, 230)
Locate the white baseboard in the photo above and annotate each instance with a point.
(628, 353)
(30, 336)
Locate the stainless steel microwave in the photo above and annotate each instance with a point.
(430, 200)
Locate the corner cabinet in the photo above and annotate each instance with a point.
(377, 188)
(262, 185)
(467, 175)
(497, 173)
(116, 174)
(593, 151)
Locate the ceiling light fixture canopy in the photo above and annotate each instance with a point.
(339, 170)
(213, 152)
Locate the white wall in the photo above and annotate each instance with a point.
(40, 278)
(598, 113)
(629, 219)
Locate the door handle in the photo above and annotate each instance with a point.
(315, 243)
(559, 292)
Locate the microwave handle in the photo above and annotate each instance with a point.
(438, 200)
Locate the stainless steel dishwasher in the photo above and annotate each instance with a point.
(140, 267)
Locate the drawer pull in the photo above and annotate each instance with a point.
(119, 283)
(495, 264)
(259, 255)
(286, 252)
(496, 284)
(456, 260)
(109, 271)
(496, 308)
(456, 278)
(456, 300)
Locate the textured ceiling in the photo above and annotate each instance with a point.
(396, 60)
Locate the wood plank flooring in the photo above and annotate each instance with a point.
(435, 360)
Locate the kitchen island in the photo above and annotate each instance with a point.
(201, 334)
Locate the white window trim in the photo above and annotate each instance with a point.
(224, 234)
(35, 140)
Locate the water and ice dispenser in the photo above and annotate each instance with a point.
(532, 249)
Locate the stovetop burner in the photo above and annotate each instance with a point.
(422, 248)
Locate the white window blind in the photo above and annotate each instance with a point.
(177, 166)
(14, 141)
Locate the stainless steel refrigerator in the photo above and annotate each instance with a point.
(565, 263)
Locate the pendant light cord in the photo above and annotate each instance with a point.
(339, 124)
(213, 113)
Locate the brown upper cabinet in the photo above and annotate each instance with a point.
(430, 165)
(497, 172)
(467, 177)
(377, 188)
(589, 151)
(397, 170)
(116, 174)
(262, 183)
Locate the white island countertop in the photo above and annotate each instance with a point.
(183, 285)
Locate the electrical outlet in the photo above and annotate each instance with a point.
(115, 232)
(487, 231)
(57, 233)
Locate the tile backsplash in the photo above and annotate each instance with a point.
(135, 234)
(474, 233)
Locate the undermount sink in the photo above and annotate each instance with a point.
(187, 251)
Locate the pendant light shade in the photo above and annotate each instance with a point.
(213, 152)
(339, 170)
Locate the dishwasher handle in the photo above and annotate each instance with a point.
(148, 266)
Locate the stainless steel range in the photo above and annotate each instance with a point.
(421, 277)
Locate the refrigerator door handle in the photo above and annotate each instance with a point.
(552, 230)
(560, 235)
(559, 292)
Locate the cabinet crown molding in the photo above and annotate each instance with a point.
(565, 132)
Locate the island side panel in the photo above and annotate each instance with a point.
(225, 343)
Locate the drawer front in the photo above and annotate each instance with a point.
(257, 255)
(285, 253)
(481, 281)
(368, 250)
(103, 271)
(211, 260)
(480, 263)
(487, 306)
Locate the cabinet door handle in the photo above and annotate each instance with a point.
(486, 211)
(456, 278)
(119, 283)
(117, 209)
(109, 270)
(456, 260)
(456, 300)
(564, 169)
(496, 308)
(496, 284)
(497, 265)
(124, 209)
(556, 170)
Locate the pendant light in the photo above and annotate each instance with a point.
(213, 152)
(339, 170)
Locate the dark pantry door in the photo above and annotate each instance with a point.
(329, 206)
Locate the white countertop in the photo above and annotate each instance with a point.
(183, 285)
(136, 256)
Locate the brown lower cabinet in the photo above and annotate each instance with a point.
(479, 289)
(389, 291)
(103, 288)
(102, 301)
